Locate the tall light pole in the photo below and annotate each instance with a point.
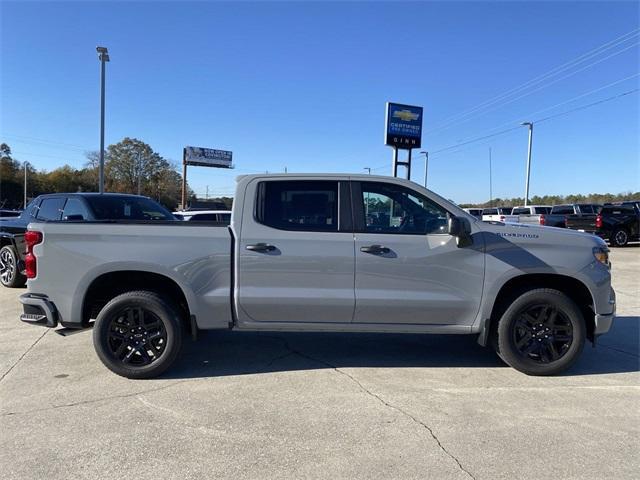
(368, 169)
(24, 205)
(526, 188)
(426, 167)
(490, 181)
(103, 56)
(139, 173)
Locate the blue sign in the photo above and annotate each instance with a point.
(403, 126)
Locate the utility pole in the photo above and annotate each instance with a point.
(490, 182)
(24, 205)
(206, 196)
(526, 188)
(103, 56)
(368, 169)
(139, 173)
(426, 166)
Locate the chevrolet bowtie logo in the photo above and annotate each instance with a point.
(406, 115)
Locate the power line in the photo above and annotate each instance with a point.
(526, 94)
(582, 107)
(502, 132)
(531, 114)
(541, 78)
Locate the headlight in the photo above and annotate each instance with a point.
(602, 255)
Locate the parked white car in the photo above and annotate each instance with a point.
(498, 214)
(221, 216)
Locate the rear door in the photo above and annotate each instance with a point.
(408, 269)
(296, 252)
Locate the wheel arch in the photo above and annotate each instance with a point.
(108, 285)
(575, 289)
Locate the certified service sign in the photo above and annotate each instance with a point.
(207, 157)
(403, 126)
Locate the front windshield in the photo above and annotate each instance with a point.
(111, 207)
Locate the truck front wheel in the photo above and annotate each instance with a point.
(541, 333)
(138, 334)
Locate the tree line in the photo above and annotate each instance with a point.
(599, 198)
(130, 166)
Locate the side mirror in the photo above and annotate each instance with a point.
(461, 229)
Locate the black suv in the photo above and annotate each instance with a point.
(68, 207)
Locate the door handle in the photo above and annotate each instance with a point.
(375, 249)
(261, 247)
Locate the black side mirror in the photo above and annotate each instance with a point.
(460, 228)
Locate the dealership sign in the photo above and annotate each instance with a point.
(403, 126)
(207, 157)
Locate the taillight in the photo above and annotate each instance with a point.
(598, 221)
(31, 238)
(542, 220)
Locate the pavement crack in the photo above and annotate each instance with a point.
(94, 400)
(23, 355)
(376, 397)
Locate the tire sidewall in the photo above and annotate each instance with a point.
(159, 307)
(507, 349)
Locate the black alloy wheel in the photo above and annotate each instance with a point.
(137, 336)
(542, 333)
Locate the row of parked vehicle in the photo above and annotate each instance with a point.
(618, 223)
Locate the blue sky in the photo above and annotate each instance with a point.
(303, 85)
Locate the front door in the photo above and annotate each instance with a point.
(295, 256)
(408, 269)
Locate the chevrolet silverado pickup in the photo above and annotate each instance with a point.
(347, 253)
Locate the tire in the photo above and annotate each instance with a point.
(619, 238)
(10, 275)
(541, 333)
(138, 334)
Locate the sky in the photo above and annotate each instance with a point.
(303, 86)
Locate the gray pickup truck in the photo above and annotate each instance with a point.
(344, 253)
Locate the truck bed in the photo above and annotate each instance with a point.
(197, 256)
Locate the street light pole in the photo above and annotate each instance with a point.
(139, 173)
(368, 169)
(526, 188)
(24, 205)
(426, 167)
(103, 56)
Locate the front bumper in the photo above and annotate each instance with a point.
(38, 310)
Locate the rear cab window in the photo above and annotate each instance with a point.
(562, 210)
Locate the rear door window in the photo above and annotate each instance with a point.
(299, 205)
(51, 209)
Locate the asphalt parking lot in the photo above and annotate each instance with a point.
(246, 405)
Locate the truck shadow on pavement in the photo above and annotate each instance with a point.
(223, 353)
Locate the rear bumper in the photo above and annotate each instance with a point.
(38, 310)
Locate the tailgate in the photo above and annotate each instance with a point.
(586, 223)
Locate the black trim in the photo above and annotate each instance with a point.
(357, 208)
(232, 280)
(345, 215)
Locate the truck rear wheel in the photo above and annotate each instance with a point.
(10, 275)
(541, 333)
(138, 334)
